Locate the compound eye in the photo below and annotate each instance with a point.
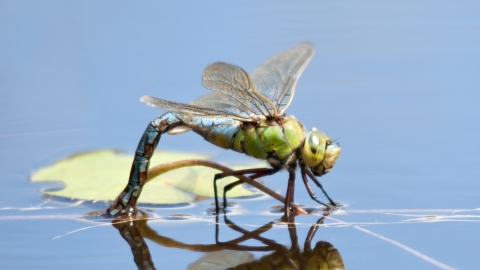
(313, 149)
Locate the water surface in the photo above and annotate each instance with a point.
(396, 83)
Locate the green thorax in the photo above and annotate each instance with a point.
(269, 138)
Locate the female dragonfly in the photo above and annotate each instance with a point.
(246, 113)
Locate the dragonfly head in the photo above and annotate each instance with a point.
(319, 152)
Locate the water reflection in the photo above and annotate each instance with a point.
(232, 254)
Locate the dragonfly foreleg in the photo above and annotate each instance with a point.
(315, 180)
(309, 188)
(126, 203)
(257, 172)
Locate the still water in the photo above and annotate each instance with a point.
(396, 83)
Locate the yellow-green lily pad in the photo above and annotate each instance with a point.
(102, 175)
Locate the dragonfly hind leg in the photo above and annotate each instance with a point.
(228, 188)
(257, 172)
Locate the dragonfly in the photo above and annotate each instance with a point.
(244, 113)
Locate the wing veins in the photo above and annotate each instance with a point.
(190, 110)
(237, 83)
(276, 78)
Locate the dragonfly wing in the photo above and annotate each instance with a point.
(224, 103)
(277, 77)
(190, 110)
(236, 83)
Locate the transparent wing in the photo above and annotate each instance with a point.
(236, 83)
(277, 77)
(190, 110)
(223, 102)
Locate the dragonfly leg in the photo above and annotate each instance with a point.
(234, 184)
(228, 188)
(126, 203)
(315, 180)
(290, 189)
(257, 172)
(309, 188)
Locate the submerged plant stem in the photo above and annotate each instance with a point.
(163, 168)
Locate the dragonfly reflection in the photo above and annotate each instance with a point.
(322, 256)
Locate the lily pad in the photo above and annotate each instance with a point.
(102, 175)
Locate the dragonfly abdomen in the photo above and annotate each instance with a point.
(219, 131)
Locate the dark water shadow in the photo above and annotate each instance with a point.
(233, 254)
